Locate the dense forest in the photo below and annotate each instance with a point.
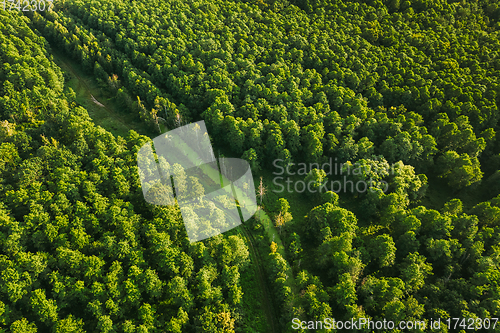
(407, 91)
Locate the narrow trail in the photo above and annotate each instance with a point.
(96, 101)
(267, 301)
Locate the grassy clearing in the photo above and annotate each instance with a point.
(109, 116)
(438, 193)
(300, 204)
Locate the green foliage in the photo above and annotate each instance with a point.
(414, 271)
(383, 250)
(408, 87)
(23, 326)
(250, 156)
(459, 170)
(338, 219)
(80, 250)
(315, 179)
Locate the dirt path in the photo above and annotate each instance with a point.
(96, 101)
